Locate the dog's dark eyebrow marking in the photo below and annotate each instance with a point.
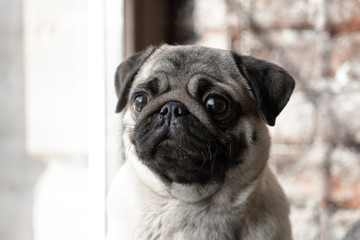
(204, 85)
(153, 85)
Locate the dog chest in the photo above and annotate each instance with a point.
(172, 220)
(137, 213)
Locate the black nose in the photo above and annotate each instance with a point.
(173, 110)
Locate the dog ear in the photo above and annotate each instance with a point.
(126, 73)
(270, 85)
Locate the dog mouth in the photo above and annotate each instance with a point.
(185, 152)
(182, 163)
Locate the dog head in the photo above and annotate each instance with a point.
(198, 114)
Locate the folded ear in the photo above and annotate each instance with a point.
(270, 85)
(126, 73)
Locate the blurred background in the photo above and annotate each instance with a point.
(59, 135)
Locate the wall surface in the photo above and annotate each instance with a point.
(43, 119)
(55, 50)
(18, 171)
(56, 97)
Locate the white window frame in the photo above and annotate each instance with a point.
(106, 51)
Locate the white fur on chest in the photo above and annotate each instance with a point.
(137, 211)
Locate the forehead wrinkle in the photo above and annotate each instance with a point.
(183, 76)
(144, 78)
(199, 80)
(188, 61)
(179, 65)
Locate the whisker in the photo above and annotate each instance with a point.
(203, 153)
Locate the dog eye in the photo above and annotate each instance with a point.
(216, 105)
(140, 102)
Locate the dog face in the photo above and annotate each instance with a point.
(196, 114)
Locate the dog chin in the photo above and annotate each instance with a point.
(174, 163)
(189, 192)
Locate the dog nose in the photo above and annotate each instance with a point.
(173, 109)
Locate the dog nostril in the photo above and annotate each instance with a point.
(164, 110)
(173, 108)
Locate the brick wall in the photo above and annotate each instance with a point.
(316, 142)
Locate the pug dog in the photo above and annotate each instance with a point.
(197, 146)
